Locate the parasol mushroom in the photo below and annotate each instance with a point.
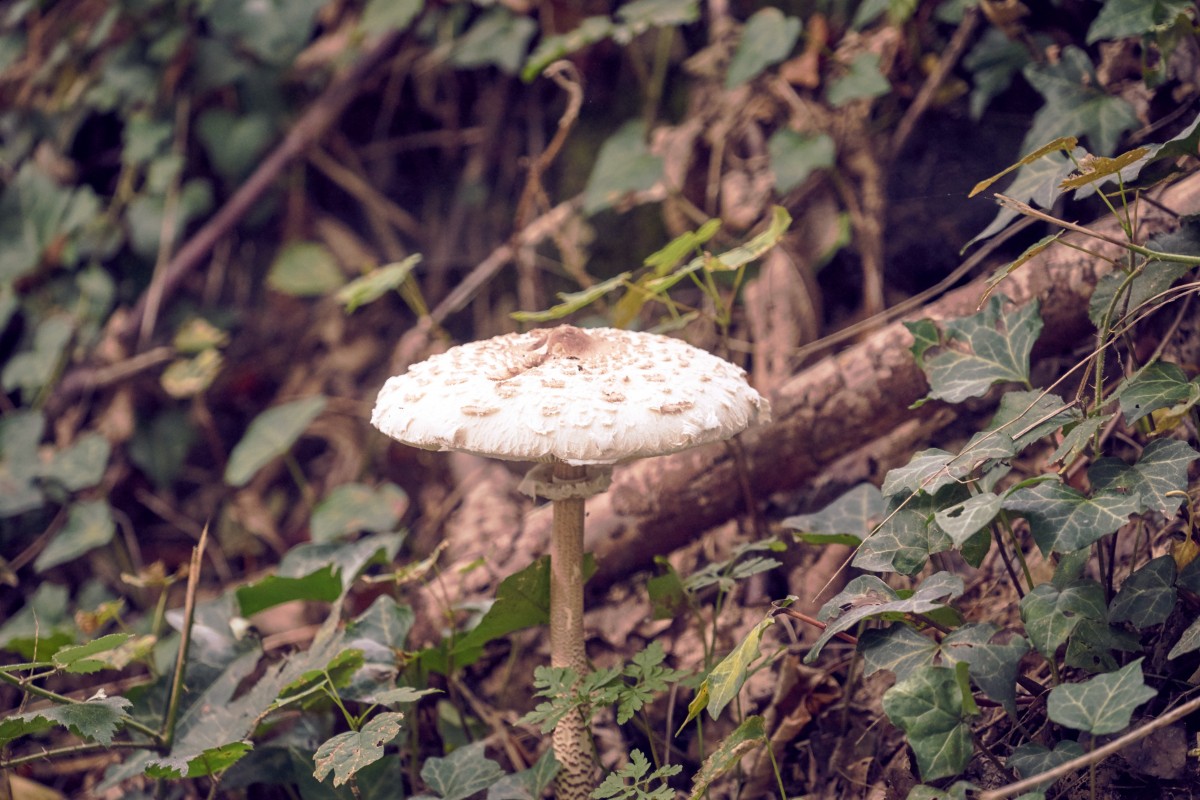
(578, 401)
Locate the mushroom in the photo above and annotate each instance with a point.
(577, 401)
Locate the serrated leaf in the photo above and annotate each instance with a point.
(1189, 640)
(347, 753)
(1159, 385)
(375, 284)
(995, 348)
(1147, 597)
(89, 525)
(767, 39)
(1100, 705)
(1031, 759)
(863, 81)
(98, 719)
(867, 596)
(270, 435)
(357, 508)
(462, 773)
(746, 738)
(1050, 614)
(79, 659)
(928, 707)
(1064, 520)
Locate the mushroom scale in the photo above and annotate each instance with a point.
(594, 396)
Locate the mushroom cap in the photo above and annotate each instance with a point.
(595, 396)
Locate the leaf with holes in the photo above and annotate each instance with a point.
(347, 753)
(1050, 614)
(981, 350)
(867, 596)
(270, 435)
(965, 519)
(1147, 597)
(1064, 520)
(928, 707)
(1100, 705)
(847, 520)
(1160, 385)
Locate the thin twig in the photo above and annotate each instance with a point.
(171, 715)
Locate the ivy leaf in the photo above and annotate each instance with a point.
(385, 621)
(462, 773)
(896, 648)
(1064, 520)
(79, 466)
(981, 350)
(863, 81)
(347, 753)
(1074, 106)
(1119, 19)
(1031, 758)
(994, 666)
(499, 37)
(354, 508)
(726, 679)
(89, 525)
(1050, 614)
(795, 156)
(1147, 597)
(1162, 468)
(955, 791)
(928, 707)
(962, 520)
(623, 165)
(552, 48)
(1188, 641)
(767, 39)
(528, 784)
(903, 543)
(270, 435)
(848, 519)
(746, 738)
(927, 470)
(1078, 438)
(97, 719)
(1159, 385)
(993, 63)
(1100, 705)
(1092, 644)
(867, 596)
(32, 369)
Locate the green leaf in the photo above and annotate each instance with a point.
(89, 525)
(956, 791)
(1119, 19)
(42, 626)
(725, 681)
(995, 347)
(962, 520)
(528, 784)
(624, 165)
(498, 38)
(1093, 643)
(867, 596)
(401, 694)
(928, 707)
(1159, 385)
(270, 435)
(381, 16)
(462, 773)
(552, 48)
(305, 269)
(862, 81)
(97, 719)
(32, 369)
(1031, 759)
(573, 301)
(81, 465)
(1076, 105)
(647, 678)
(1188, 641)
(1064, 520)
(385, 622)
(795, 156)
(522, 601)
(1162, 469)
(767, 39)
(993, 61)
(641, 15)
(356, 508)
(994, 666)
(638, 771)
(903, 542)
(897, 648)
(347, 753)
(160, 448)
(234, 143)
(1100, 705)
(1051, 614)
(855, 514)
(375, 284)
(746, 738)
(1078, 438)
(1147, 597)
(273, 30)
(926, 470)
(78, 660)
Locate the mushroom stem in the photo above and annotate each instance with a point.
(571, 745)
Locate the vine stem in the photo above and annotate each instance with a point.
(171, 715)
(1094, 757)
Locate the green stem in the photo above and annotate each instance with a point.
(171, 714)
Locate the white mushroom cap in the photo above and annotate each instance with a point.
(595, 396)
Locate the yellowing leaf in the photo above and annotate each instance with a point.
(1064, 143)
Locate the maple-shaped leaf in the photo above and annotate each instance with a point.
(981, 350)
(1063, 520)
(1100, 705)
(867, 596)
(1075, 105)
(347, 753)
(97, 719)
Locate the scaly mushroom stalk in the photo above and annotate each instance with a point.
(571, 745)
